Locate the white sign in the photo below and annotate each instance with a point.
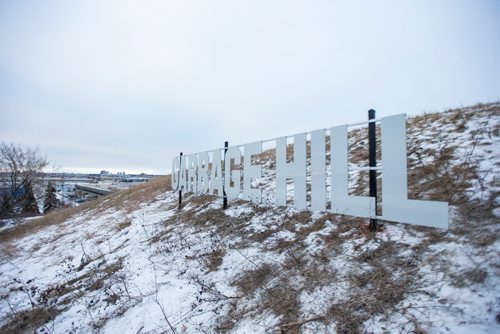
(200, 174)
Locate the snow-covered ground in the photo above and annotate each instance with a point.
(133, 263)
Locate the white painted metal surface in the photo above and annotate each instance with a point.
(341, 201)
(176, 165)
(193, 173)
(295, 170)
(203, 172)
(251, 172)
(395, 203)
(192, 178)
(182, 174)
(216, 175)
(232, 179)
(318, 170)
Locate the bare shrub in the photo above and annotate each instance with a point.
(124, 224)
(29, 320)
(20, 168)
(374, 290)
(252, 280)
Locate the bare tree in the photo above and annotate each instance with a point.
(19, 168)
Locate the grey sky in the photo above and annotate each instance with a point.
(126, 85)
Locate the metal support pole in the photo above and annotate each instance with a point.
(226, 145)
(180, 186)
(372, 156)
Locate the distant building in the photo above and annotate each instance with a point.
(16, 193)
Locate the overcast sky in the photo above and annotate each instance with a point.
(127, 85)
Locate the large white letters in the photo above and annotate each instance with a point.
(197, 173)
(251, 171)
(182, 174)
(318, 174)
(203, 172)
(295, 170)
(342, 203)
(191, 175)
(176, 166)
(216, 174)
(232, 178)
(395, 203)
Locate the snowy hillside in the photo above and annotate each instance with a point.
(132, 263)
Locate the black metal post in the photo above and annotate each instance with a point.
(372, 157)
(226, 145)
(179, 179)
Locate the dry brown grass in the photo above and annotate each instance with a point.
(468, 277)
(375, 290)
(124, 224)
(32, 226)
(129, 199)
(251, 280)
(30, 320)
(204, 218)
(268, 156)
(283, 299)
(277, 287)
(439, 179)
(442, 174)
(215, 259)
(7, 250)
(53, 300)
(291, 221)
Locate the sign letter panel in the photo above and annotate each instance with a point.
(232, 176)
(395, 203)
(216, 174)
(251, 172)
(202, 173)
(318, 174)
(176, 166)
(342, 203)
(295, 170)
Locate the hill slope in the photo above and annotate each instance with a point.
(132, 263)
